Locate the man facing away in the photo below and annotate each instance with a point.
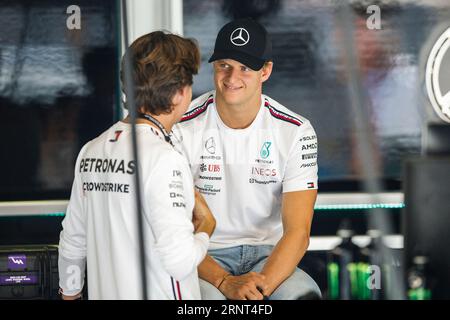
(255, 162)
(101, 227)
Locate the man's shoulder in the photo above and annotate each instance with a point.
(158, 155)
(282, 115)
(98, 142)
(198, 107)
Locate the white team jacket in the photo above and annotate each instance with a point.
(101, 224)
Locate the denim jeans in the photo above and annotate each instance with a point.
(243, 259)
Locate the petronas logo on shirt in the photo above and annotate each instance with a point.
(265, 149)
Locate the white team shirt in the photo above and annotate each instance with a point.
(243, 172)
(101, 222)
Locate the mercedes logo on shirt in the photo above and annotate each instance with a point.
(210, 145)
(239, 37)
(437, 87)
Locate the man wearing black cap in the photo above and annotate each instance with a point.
(255, 162)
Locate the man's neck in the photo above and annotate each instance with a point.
(165, 120)
(238, 116)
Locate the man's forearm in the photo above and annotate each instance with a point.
(284, 259)
(209, 270)
(71, 274)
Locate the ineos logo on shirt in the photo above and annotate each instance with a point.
(240, 37)
(264, 172)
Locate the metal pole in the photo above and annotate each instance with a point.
(132, 112)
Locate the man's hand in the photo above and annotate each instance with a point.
(244, 287)
(202, 217)
(296, 212)
(75, 297)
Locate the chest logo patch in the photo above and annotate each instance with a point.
(265, 152)
(210, 145)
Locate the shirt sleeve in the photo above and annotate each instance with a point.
(72, 241)
(301, 168)
(179, 249)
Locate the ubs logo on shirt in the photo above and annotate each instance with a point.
(210, 167)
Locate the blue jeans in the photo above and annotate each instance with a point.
(244, 259)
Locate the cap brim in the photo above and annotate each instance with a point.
(247, 60)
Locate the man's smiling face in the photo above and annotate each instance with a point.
(236, 84)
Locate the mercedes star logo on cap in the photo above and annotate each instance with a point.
(239, 37)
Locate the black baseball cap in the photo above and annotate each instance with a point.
(243, 40)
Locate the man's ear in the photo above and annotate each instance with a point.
(178, 96)
(266, 71)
